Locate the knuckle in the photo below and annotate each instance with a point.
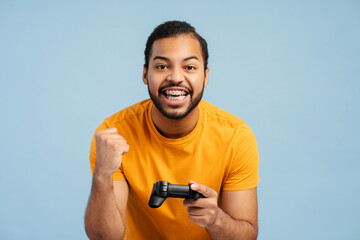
(109, 142)
(214, 193)
(102, 137)
(112, 129)
(98, 134)
(213, 204)
(127, 147)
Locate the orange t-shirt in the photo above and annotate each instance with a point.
(220, 152)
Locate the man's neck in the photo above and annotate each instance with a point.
(174, 128)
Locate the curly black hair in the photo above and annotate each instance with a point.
(172, 29)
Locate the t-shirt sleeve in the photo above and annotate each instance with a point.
(244, 162)
(118, 174)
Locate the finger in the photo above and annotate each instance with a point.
(108, 130)
(113, 137)
(118, 138)
(120, 144)
(201, 203)
(196, 211)
(204, 190)
(114, 140)
(126, 148)
(111, 130)
(188, 202)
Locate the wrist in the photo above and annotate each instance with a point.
(100, 177)
(217, 221)
(101, 172)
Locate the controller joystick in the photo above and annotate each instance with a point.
(162, 190)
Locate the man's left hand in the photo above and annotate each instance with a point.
(203, 211)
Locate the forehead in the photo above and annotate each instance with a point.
(178, 47)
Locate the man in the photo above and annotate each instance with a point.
(179, 138)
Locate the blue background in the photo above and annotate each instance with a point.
(290, 69)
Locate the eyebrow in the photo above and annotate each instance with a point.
(191, 57)
(167, 59)
(162, 58)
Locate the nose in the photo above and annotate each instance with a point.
(176, 75)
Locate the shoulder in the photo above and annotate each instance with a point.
(217, 116)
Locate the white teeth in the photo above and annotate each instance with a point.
(175, 95)
(175, 92)
(176, 98)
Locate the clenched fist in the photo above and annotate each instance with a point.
(110, 147)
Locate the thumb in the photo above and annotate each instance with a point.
(203, 189)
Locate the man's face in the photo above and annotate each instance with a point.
(176, 76)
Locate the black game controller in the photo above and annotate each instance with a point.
(162, 190)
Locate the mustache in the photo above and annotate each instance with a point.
(180, 85)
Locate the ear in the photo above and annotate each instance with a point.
(144, 75)
(206, 76)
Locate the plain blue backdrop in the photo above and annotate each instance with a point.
(290, 69)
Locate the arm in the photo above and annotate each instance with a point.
(105, 213)
(236, 219)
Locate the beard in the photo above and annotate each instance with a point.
(158, 102)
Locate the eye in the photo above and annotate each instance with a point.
(190, 68)
(161, 67)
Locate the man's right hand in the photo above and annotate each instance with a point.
(110, 146)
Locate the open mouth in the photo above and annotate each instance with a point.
(175, 95)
